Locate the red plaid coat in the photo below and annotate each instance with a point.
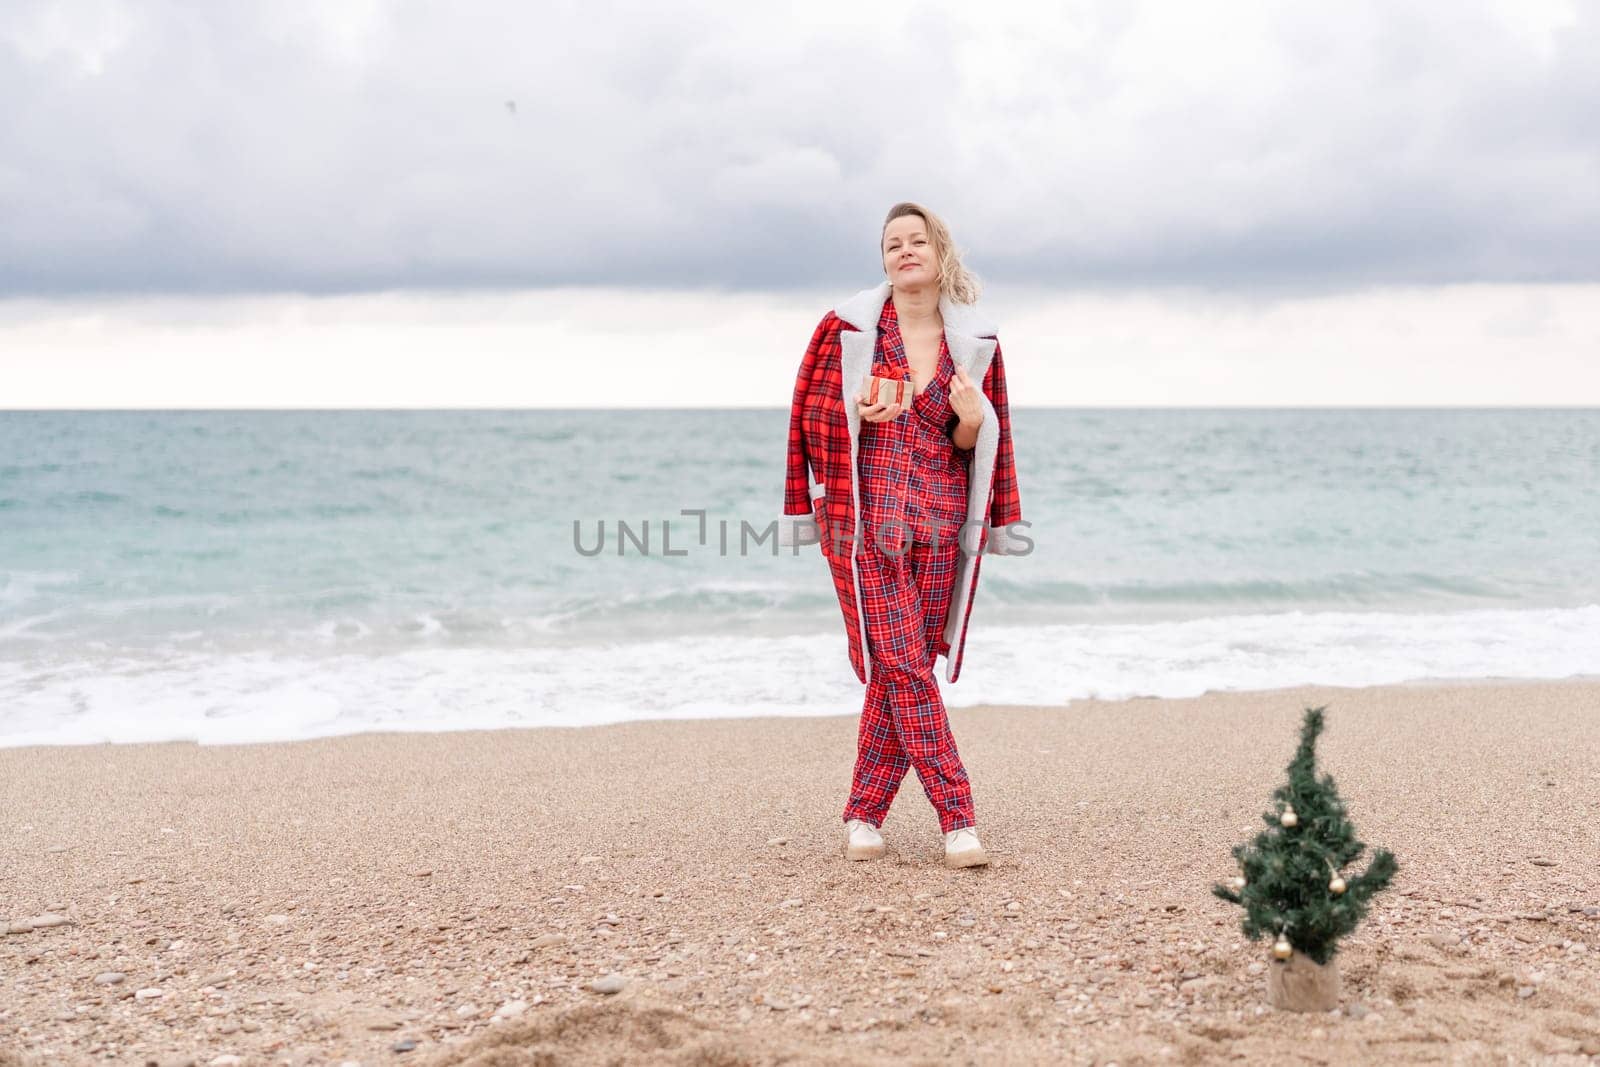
(824, 435)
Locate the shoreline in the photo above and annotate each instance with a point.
(437, 880)
(1489, 681)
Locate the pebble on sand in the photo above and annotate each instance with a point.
(611, 983)
(511, 1009)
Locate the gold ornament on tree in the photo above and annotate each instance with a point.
(1336, 884)
(1282, 950)
(1289, 818)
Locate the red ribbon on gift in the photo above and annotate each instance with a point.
(901, 376)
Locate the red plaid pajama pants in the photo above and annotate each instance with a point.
(903, 719)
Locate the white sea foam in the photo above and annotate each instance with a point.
(22, 628)
(219, 698)
(425, 625)
(333, 630)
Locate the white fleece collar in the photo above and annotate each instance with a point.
(865, 308)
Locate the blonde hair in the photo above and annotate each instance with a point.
(955, 281)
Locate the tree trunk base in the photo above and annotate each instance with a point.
(1299, 984)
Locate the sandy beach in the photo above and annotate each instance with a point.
(674, 892)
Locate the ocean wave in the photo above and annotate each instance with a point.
(283, 694)
(1356, 587)
(18, 587)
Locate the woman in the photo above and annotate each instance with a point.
(910, 495)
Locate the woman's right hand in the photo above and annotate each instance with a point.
(876, 412)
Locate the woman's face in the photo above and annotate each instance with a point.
(908, 257)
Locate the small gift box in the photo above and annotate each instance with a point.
(890, 385)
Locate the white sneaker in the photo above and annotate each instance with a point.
(961, 848)
(863, 841)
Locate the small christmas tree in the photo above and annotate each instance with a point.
(1293, 884)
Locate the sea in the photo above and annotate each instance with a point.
(251, 576)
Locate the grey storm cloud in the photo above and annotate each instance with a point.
(316, 147)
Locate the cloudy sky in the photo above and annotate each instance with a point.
(369, 203)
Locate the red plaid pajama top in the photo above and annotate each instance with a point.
(913, 480)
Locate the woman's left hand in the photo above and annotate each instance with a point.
(965, 400)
